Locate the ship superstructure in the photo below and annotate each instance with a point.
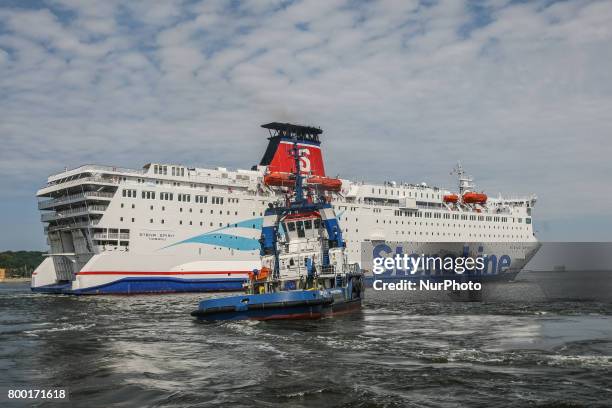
(170, 227)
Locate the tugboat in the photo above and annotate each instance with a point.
(305, 273)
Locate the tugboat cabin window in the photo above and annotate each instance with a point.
(308, 224)
(317, 223)
(300, 229)
(291, 226)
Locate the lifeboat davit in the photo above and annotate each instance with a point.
(279, 179)
(451, 198)
(326, 183)
(474, 198)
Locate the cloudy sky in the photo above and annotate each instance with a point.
(520, 91)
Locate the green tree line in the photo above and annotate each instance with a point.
(20, 263)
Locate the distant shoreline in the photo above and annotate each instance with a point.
(14, 280)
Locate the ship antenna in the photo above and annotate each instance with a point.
(465, 182)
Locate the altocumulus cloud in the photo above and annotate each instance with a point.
(519, 91)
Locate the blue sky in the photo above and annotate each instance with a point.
(519, 91)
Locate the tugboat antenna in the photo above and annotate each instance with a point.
(299, 187)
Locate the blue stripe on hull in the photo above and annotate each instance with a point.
(138, 285)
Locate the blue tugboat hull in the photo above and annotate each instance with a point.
(296, 304)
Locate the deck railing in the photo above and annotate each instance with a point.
(76, 182)
(81, 224)
(72, 211)
(73, 197)
(97, 167)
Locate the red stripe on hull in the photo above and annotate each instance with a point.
(163, 273)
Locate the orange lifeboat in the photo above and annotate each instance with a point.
(326, 183)
(451, 198)
(279, 179)
(474, 198)
(262, 275)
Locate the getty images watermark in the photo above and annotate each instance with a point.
(415, 265)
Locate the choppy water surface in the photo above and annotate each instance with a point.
(148, 351)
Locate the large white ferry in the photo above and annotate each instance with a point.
(173, 228)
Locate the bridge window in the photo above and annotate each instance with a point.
(128, 193)
(291, 226)
(300, 229)
(308, 224)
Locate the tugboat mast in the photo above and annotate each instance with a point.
(305, 271)
(299, 180)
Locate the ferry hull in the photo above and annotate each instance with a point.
(105, 274)
(102, 276)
